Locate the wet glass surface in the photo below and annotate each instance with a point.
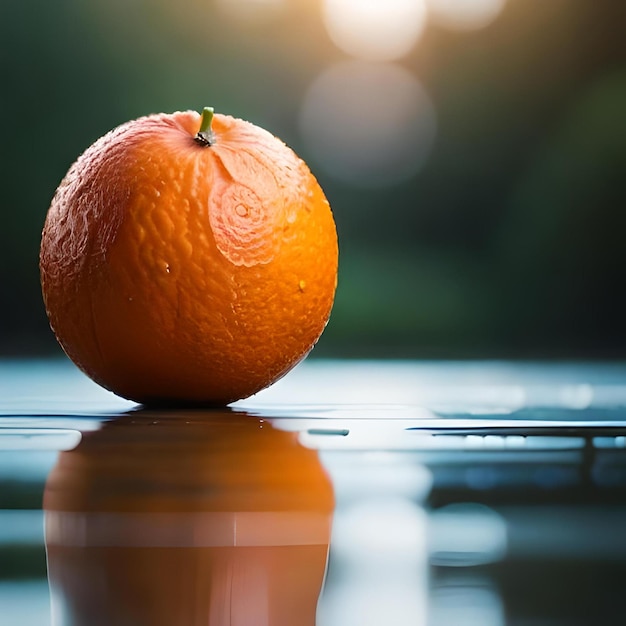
(350, 493)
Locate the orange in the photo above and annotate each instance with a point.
(188, 259)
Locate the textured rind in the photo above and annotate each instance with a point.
(175, 272)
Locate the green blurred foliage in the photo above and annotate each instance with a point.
(507, 243)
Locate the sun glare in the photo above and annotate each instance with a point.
(465, 14)
(375, 30)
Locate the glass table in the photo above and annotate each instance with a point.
(351, 492)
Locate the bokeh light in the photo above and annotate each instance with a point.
(465, 14)
(369, 124)
(251, 9)
(375, 30)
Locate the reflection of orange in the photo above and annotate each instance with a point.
(192, 519)
(188, 266)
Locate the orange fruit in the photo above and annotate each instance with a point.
(188, 259)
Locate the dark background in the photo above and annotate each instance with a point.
(477, 182)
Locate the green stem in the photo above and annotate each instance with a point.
(205, 136)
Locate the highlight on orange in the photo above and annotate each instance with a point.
(188, 259)
(188, 519)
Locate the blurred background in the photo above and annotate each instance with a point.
(473, 151)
